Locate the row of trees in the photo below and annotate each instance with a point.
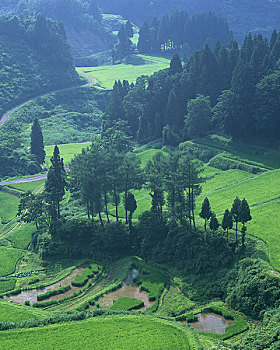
(240, 212)
(179, 32)
(238, 89)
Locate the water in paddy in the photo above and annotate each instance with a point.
(212, 323)
(128, 289)
(31, 295)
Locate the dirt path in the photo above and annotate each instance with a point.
(5, 117)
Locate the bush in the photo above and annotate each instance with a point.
(51, 293)
(127, 304)
(87, 273)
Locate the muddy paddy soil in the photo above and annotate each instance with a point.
(211, 323)
(128, 289)
(31, 295)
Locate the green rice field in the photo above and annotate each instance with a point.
(8, 260)
(8, 207)
(105, 76)
(67, 151)
(112, 332)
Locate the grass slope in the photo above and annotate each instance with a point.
(8, 207)
(21, 238)
(121, 332)
(14, 312)
(67, 151)
(8, 260)
(135, 67)
(28, 186)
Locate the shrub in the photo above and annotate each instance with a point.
(127, 304)
(87, 273)
(51, 293)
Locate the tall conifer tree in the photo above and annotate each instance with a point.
(37, 143)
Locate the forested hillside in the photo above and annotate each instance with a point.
(35, 57)
(243, 15)
(82, 20)
(238, 92)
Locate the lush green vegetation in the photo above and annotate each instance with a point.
(8, 260)
(141, 332)
(127, 304)
(140, 65)
(87, 273)
(182, 102)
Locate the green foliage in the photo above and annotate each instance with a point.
(265, 336)
(127, 304)
(251, 289)
(41, 67)
(152, 281)
(37, 142)
(51, 293)
(175, 303)
(88, 272)
(198, 119)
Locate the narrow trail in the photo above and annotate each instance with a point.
(90, 82)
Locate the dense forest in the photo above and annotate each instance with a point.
(227, 88)
(82, 20)
(260, 16)
(180, 33)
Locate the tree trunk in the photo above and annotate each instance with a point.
(106, 206)
(126, 216)
(100, 218)
(236, 237)
(193, 217)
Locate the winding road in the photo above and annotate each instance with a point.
(5, 117)
(90, 82)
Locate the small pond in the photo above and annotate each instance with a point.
(211, 323)
(31, 295)
(128, 289)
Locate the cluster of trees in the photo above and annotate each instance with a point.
(231, 89)
(105, 171)
(124, 47)
(240, 212)
(181, 33)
